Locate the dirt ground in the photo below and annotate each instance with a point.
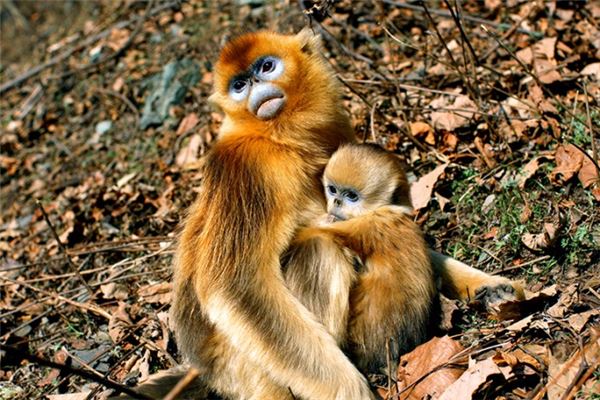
(493, 106)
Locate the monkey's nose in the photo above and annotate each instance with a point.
(337, 202)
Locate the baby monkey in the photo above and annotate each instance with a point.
(372, 284)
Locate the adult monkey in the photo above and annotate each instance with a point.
(235, 319)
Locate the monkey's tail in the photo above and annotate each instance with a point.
(157, 386)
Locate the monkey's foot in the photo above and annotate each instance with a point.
(492, 295)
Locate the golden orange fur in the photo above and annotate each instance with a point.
(380, 304)
(235, 318)
(232, 309)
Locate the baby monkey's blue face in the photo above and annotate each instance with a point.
(343, 202)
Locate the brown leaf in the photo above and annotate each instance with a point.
(118, 38)
(451, 120)
(113, 290)
(588, 174)
(528, 171)
(423, 130)
(567, 297)
(592, 70)
(424, 359)
(518, 309)
(118, 323)
(449, 310)
(545, 48)
(471, 380)
(187, 123)
(541, 241)
(61, 358)
(189, 153)
(516, 357)
(157, 293)
(568, 162)
(562, 374)
(70, 396)
(546, 71)
(420, 191)
(578, 321)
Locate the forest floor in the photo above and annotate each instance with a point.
(494, 108)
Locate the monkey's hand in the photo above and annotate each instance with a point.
(500, 291)
(325, 220)
(460, 281)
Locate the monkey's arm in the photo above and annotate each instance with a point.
(320, 274)
(233, 260)
(460, 281)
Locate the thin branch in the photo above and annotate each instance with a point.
(87, 307)
(182, 384)
(63, 56)
(589, 122)
(124, 99)
(63, 250)
(21, 355)
(469, 18)
(115, 55)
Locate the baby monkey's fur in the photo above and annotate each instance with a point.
(380, 304)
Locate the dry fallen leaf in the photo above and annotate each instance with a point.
(520, 308)
(420, 191)
(424, 359)
(470, 380)
(157, 293)
(423, 130)
(69, 396)
(118, 323)
(561, 375)
(578, 321)
(450, 120)
(528, 171)
(592, 70)
(187, 123)
(568, 162)
(189, 153)
(588, 174)
(568, 297)
(541, 241)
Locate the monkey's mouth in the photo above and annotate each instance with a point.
(333, 217)
(270, 107)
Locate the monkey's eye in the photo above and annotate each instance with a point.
(352, 196)
(239, 85)
(331, 189)
(269, 68)
(238, 89)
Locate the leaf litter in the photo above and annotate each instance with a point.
(500, 129)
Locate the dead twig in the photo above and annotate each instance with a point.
(87, 307)
(63, 250)
(124, 99)
(192, 374)
(19, 355)
(589, 122)
(468, 18)
(529, 72)
(115, 55)
(63, 56)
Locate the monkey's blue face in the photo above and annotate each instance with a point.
(255, 86)
(343, 202)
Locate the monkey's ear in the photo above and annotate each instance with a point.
(310, 42)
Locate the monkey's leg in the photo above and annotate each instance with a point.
(320, 274)
(160, 384)
(459, 281)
